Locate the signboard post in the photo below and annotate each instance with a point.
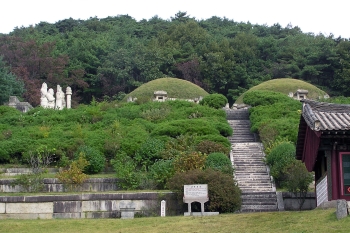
(195, 193)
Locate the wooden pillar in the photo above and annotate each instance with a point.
(335, 175)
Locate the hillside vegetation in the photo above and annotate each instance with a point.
(285, 86)
(109, 57)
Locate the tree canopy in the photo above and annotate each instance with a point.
(103, 57)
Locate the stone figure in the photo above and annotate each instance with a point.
(47, 99)
(60, 101)
(51, 99)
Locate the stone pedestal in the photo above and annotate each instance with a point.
(127, 209)
(127, 213)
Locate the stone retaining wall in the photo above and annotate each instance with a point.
(53, 185)
(291, 202)
(85, 205)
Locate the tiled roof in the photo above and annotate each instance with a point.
(321, 116)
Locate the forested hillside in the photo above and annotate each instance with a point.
(107, 57)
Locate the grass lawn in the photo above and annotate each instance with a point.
(305, 221)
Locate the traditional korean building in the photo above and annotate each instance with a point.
(324, 146)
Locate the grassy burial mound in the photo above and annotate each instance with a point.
(285, 86)
(176, 88)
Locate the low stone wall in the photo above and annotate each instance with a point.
(53, 185)
(19, 171)
(291, 202)
(85, 205)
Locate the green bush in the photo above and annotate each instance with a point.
(214, 101)
(132, 138)
(274, 115)
(297, 180)
(219, 162)
(182, 143)
(149, 152)
(161, 171)
(180, 127)
(208, 147)
(94, 157)
(215, 138)
(224, 194)
(125, 169)
(280, 157)
(264, 98)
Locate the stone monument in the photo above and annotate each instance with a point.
(69, 97)
(47, 99)
(60, 102)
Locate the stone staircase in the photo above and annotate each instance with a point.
(251, 173)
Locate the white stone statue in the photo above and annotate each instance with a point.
(47, 99)
(60, 101)
(51, 99)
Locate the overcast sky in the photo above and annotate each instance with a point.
(317, 16)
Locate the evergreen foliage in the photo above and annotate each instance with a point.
(219, 162)
(109, 57)
(214, 100)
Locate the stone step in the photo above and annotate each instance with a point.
(271, 201)
(259, 208)
(245, 189)
(261, 194)
(247, 182)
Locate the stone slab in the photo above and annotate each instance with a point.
(2, 208)
(100, 205)
(29, 208)
(198, 214)
(67, 207)
(342, 209)
(95, 215)
(25, 216)
(66, 215)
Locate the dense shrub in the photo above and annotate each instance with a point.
(149, 152)
(215, 138)
(132, 138)
(223, 127)
(180, 127)
(274, 115)
(280, 157)
(94, 157)
(224, 194)
(297, 180)
(189, 160)
(108, 127)
(214, 101)
(161, 171)
(175, 146)
(208, 147)
(264, 98)
(219, 162)
(73, 177)
(125, 169)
